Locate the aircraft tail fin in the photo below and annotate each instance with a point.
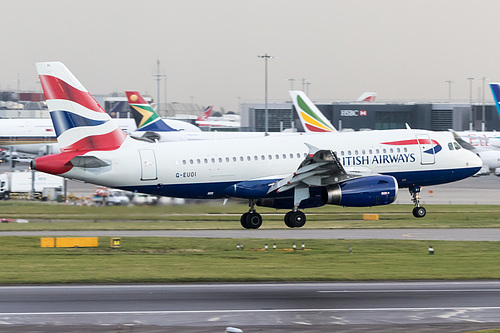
(311, 117)
(495, 90)
(80, 123)
(367, 97)
(145, 117)
(206, 113)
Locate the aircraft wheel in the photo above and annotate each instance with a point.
(295, 219)
(287, 219)
(253, 220)
(419, 211)
(243, 221)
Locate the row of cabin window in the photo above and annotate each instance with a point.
(284, 156)
(371, 151)
(242, 159)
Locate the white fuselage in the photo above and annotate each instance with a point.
(203, 169)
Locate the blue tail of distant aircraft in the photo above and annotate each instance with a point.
(495, 90)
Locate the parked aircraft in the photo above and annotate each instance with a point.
(289, 172)
(367, 97)
(150, 127)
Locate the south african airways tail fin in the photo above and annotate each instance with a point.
(80, 123)
(145, 117)
(311, 117)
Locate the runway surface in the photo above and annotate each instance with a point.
(480, 234)
(247, 306)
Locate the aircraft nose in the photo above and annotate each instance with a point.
(473, 160)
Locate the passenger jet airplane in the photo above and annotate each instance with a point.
(288, 172)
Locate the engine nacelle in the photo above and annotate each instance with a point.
(362, 192)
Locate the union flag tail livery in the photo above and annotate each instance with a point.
(206, 113)
(79, 121)
(310, 116)
(145, 117)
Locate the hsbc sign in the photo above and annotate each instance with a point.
(353, 113)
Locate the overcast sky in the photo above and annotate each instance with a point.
(208, 48)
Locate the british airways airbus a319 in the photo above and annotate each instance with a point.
(287, 172)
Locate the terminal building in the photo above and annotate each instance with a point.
(376, 116)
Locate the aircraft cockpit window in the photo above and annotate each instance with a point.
(457, 145)
(450, 146)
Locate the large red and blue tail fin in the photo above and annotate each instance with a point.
(79, 121)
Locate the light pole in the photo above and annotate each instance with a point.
(470, 101)
(158, 78)
(266, 57)
(483, 125)
(291, 83)
(450, 82)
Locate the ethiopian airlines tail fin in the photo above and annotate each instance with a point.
(495, 90)
(311, 117)
(145, 117)
(79, 121)
(367, 97)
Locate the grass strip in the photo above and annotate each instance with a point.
(161, 260)
(43, 216)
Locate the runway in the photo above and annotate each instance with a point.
(308, 306)
(470, 234)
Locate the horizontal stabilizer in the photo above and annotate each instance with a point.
(88, 162)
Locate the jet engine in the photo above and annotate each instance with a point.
(358, 192)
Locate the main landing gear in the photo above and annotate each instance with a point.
(253, 220)
(295, 219)
(418, 211)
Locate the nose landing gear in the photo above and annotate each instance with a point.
(418, 211)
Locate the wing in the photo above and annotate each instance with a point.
(320, 168)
